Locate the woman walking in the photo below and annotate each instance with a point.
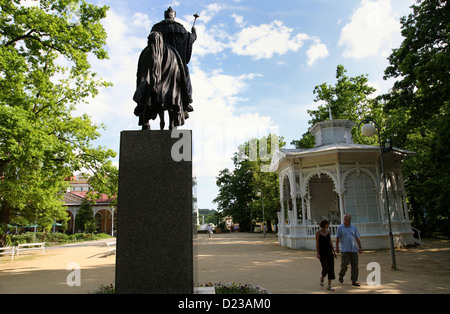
(325, 252)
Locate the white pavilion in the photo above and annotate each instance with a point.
(336, 177)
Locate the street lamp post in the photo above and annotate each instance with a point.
(368, 130)
(260, 194)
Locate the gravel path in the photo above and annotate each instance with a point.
(239, 257)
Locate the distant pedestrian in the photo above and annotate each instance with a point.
(349, 236)
(325, 253)
(210, 231)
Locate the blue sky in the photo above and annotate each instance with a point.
(254, 67)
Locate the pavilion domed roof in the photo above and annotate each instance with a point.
(331, 137)
(333, 132)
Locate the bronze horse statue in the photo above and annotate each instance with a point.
(160, 84)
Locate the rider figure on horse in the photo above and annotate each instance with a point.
(176, 36)
(163, 80)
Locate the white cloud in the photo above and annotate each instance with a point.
(217, 128)
(123, 51)
(172, 4)
(266, 40)
(210, 11)
(258, 42)
(371, 31)
(316, 51)
(210, 40)
(378, 90)
(239, 20)
(142, 20)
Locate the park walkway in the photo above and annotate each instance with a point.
(249, 258)
(239, 257)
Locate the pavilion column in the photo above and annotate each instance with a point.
(380, 192)
(112, 221)
(341, 206)
(403, 195)
(74, 212)
(282, 220)
(308, 207)
(399, 206)
(382, 208)
(340, 191)
(303, 211)
(73, 224)
(294, 208)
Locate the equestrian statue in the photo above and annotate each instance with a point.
(163, 81)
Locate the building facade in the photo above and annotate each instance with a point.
(337, 177)
(103, 211)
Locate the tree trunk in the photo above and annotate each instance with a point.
(4, 214)
(4, 219)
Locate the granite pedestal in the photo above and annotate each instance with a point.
(154, 228)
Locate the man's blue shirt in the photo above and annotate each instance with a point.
(347, 236)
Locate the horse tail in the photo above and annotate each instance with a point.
(156, 46)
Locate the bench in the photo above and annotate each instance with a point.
(8, 250)
(111, 246)
(30, 246)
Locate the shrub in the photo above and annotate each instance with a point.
(27, 237)
(55, 238)
(90, 227)
(233, 288)
(104, 290)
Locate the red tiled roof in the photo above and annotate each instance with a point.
(104, 199)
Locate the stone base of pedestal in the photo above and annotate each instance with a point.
(154, 224)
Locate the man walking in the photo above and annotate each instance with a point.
(349, 236)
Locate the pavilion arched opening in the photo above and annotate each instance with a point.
(323, 200)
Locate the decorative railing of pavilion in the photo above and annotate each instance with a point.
(298, 229)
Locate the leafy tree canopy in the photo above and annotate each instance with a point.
(44, 74)
(418, 111)
(238, 188)
(350, 98)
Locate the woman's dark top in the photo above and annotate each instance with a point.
(324, 243)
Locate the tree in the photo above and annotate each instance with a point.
(418, 110)
(235, 195)
(238, 188)
(44, 74)
(422, 62)
(104, 180)
(85, 217)
(350, 98)
(209, 216)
